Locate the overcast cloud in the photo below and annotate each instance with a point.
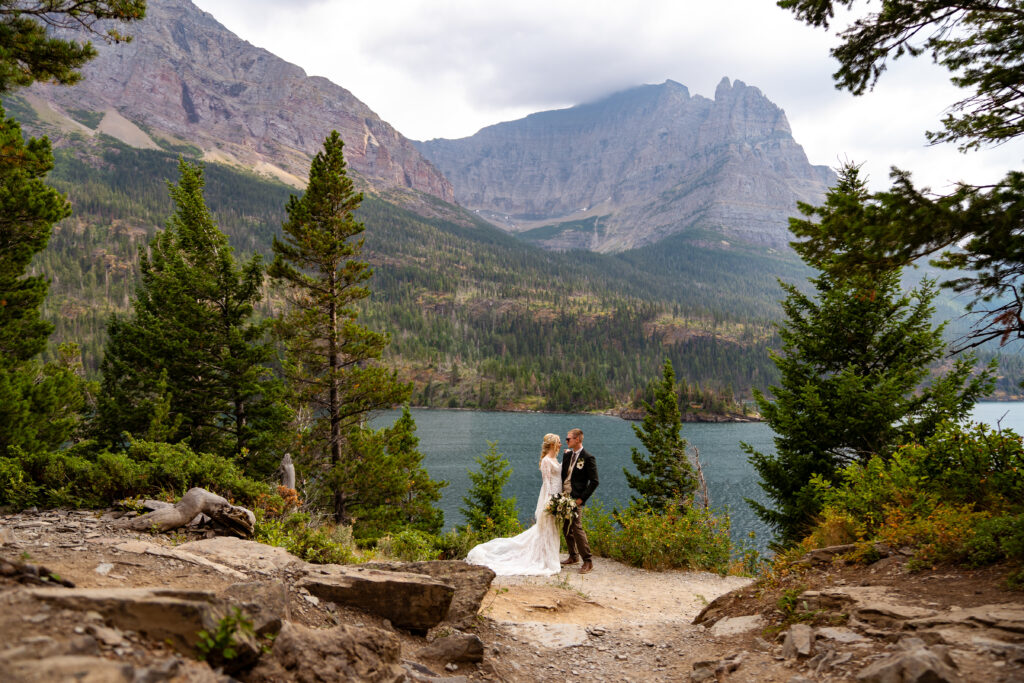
(446, 68)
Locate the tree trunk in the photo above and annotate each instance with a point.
(333, 407)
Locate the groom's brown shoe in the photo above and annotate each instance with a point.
(572, 559)
(587, 567)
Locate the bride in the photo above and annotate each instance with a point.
(535, 551)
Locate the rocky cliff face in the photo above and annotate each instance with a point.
(636, 167)
(185, 77)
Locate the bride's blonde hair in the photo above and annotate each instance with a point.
(551, 443)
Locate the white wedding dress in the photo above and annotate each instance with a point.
(535, 551)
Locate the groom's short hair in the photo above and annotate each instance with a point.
(576, 432)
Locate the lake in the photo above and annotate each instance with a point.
(451, 440)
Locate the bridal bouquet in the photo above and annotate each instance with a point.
(561, 507)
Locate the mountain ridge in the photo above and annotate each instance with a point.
(649, 162)
(187, 78)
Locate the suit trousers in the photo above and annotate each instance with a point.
(576, 537)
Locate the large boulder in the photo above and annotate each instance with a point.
(79, 668)
(343, 653)
(455, 648)
(172, 616)
(913, 665)
(410, 601)
(470, 581)
(247, 556)
(265, 602)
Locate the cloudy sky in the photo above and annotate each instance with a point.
(446, 68)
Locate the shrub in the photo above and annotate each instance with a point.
(299, 536)
(409, 545)
(17, 490)
(177, 468)
(996, 539)
(955, 498)
(691, 539)
(487, 511)
(85, 476)
(219, 647)
(456, 544)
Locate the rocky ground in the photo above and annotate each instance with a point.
(139, 600)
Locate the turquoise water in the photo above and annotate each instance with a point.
(451, 440)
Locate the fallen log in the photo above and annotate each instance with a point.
(238, 521)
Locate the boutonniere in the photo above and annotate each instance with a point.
(579, 464)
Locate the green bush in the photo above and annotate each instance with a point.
(691, 539)
(958, 497)
(456, 544)
(409, 545)
(85, 476)
(996, 539)
(310, 542)
(17, 489)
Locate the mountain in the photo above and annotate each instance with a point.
(478, 318)
(636, 167)
(185, 80)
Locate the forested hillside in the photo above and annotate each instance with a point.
(478, 318)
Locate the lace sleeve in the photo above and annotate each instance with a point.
(551, 472)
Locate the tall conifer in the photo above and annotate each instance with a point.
(191, 341)
(666, 479)
(330, 357)
(38, 403)
(854, 371)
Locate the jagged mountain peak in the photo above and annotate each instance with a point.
(636, 166)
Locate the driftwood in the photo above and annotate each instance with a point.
(702, 484)
(237, 520)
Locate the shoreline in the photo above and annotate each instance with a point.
(622, 414)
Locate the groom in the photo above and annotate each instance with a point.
(579, 479)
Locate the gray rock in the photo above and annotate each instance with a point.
(265, 602)
(702, 674)
(918, 665)
(839, 634)
(110, 637)
(78, 668)
(243, 554)
(471, 583)
(799, 641)
(458, 647)
(1008, 618)
(410, 601)
(342, 653)
(733, 625)
(173, 616)
(7, 536)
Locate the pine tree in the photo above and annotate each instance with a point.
(974, 230)
(388, 487)
(854, 373)
(330, 357)
(38, 402)
(191, 341)
(29, 52)
(666, 479)
(486, 510)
